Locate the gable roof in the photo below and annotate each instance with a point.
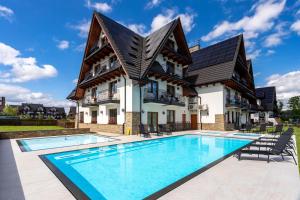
(126, 44)
(214, 63)
(267, 95)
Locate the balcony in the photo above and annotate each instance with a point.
(103, 97)
(233, 103)
(97, 52)
(163, 97)
(175, 55)
(245, 105)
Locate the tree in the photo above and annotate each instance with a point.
(294, 106)
(10, 111)
(279, 107)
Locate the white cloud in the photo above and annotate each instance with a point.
(22, 68)
(265, 12)
(257, 74)
(75, 81)
(270, 52)
(187, 19)
(287, 85)
(276, 38)
(153, 3)
(80, 47)
(6, 12)
(296, 27)
(83, 27)
(16, 95)
(63, 44)
(138, 28)
(98, 6)
(254, 54)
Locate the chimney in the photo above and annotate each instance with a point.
(195, 48)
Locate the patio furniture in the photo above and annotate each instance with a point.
(247, 128)
(153, 129)
(144, 132)
(278, 129)
(279, 148)
(164, 130)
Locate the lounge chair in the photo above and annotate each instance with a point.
(144, 132)
(247, 128)
(279, 148)
(154, 130)
(164, 130)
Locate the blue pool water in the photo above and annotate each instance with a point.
(248, 134)
(61, 141)
(137, 170)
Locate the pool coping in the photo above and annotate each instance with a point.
(79, 194)
(24, 149)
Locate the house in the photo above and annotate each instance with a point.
(2, 104)
(126, 80)
(36, 111)
(72, 112)
(267, 102)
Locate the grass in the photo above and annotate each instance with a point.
(28, 128)
(297, 135)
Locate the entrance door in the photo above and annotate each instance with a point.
(194, 121)
(81, 117)
(183, 121)
(94, 117)
(152, 120)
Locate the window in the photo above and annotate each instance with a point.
(113, 87)
(94, 92)
(171, 44)
(227, 96)
(112, 61)
(112, 116)
(152, 87)
(152, 119)
(171, 90)
(170, 116)
(81, 117)
(170, 68)
(97, 69)
(232, 117)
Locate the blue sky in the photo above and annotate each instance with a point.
(41, 42)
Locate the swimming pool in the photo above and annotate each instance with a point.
(61, 141)
(139, 169)
(247, 134)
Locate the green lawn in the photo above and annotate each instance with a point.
(297, 134)
(28, 128)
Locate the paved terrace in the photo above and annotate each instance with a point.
(23, 175)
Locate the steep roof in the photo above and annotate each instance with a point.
(214, 63)
(267, 95)
(126, 44)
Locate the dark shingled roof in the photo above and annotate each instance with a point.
(127, 44)
(214, 63)
(267, 95)
(71, 96)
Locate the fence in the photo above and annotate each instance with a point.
(36, 122)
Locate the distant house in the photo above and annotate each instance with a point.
(2, 104)
(40, 111)
(72, 112)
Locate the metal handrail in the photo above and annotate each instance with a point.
(163, 96)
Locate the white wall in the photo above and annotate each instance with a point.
(213, 96)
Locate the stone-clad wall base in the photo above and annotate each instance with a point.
(132, 123)
(108, 128)
(219, 124)
(44, 133)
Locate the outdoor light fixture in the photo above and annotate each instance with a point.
(101, 111)
(163, 112)
(123, 110)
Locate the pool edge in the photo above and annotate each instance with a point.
(183, 180)
(79, 194)
(67, 183)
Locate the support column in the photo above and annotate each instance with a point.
(132, 123)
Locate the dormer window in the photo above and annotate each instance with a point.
(171, 44)
(170, 68)
(112, 61)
